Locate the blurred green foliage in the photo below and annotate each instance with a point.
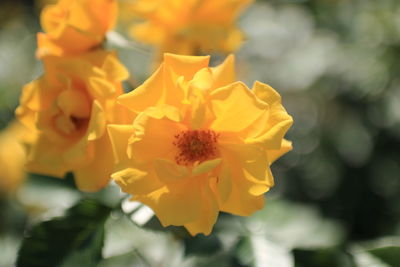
(75, 238)
(337, 194)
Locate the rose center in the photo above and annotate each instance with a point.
(195, 145)
(68, 125)
(79, 123)
(74, 111)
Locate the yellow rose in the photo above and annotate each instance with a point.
(201, 142)
(13, 156)
(189, 27)
(70, 106)
(75, 26)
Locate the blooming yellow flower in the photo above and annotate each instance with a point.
(70, 106)
(201, 142)
(75, 26)
(13, 156)
(189, 27)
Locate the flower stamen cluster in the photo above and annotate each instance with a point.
(195, 146)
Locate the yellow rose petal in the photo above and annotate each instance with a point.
(119, 135)
(169, 172)
(273, 155)
(186, 66)
(154, 138)
(97, 123)
(95, 175)
(224, 74)
(175, 205)
(206, 166)
(235, 108)
(150, 93)
(135, 181)
(208, 215)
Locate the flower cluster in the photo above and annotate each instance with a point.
(189, 27)
(189, 142)
(71, 104)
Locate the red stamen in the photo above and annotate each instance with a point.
(195, 145)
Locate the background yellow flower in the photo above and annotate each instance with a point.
(200, 144)
(70, 107)
(13, 156)
(189, 27)
(75, 26)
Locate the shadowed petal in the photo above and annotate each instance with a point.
(175, 205)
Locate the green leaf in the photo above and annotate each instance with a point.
(389, 255)
(39, 179)
(363, 258)
(258, 251)
(333, 257)
(202, 245)
(90, 254)
(9, 247)
(294, 225)
(127, 259)
(77, 235)
(197, 245)
(382, 252)
(219, 259)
